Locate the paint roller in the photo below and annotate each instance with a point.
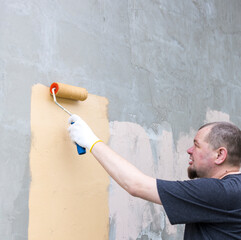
(69, 92)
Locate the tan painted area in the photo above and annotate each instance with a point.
(215, 116)
(69, 192)
(132, 216)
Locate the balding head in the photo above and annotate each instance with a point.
(224, 134)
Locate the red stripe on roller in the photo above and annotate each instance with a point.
(56, 86)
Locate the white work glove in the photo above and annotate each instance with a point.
(81, 133)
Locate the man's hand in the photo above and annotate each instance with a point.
(81, 133)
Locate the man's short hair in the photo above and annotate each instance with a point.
(225, 134)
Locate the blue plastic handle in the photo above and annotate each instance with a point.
(80, 149)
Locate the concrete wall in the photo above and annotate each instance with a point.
(165, 67)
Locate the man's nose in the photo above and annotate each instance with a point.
(190, 150)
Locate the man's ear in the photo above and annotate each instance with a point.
(221, 155)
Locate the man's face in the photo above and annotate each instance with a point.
(202, 156)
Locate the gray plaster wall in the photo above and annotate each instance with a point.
(156, 61)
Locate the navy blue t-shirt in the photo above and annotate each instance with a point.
(210, 207)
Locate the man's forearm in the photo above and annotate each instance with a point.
(125, 174)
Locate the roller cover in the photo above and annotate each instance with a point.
(70, 92)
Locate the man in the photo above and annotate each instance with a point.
(209, 204)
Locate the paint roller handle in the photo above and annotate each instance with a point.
(80, 149)
(81, 133)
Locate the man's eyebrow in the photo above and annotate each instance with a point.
(196, 141)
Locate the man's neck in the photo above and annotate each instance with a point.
(229, 172)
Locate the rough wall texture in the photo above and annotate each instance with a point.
(163, 65)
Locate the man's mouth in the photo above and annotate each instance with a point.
(190, 161)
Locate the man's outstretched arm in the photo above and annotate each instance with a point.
(124, 173)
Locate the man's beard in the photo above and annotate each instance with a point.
(192, 173)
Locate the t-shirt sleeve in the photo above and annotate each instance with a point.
(200, 200)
